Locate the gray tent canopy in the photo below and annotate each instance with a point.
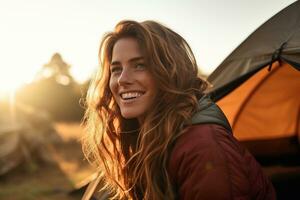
(258, 86)
(278, 39)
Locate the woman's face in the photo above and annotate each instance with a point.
(132, 85)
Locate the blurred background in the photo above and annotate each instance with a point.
(48, 54)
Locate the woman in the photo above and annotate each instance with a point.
(152, 132)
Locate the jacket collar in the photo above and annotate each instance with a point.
(209, 113)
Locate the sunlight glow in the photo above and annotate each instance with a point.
(12, 106)
(31, 31)
(7, 97)
(8, 85)
(11, 80)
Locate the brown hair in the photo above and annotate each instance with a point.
(133, 158)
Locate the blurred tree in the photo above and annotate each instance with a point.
(56, 68)
(54, 90)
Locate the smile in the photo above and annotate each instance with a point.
(131, 95)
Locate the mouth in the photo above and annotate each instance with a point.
(131, 95)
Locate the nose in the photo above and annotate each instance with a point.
(125, 77)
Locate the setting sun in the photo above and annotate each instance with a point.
(9, 83)
(12, 78)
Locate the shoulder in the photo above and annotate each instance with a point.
(205, 153)
(204, 137)
(201, 155)
(205, 144)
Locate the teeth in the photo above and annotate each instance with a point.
(130, 95)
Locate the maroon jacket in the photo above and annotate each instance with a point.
(208, 163)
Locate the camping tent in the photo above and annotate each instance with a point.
(258, 86)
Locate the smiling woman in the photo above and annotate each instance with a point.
(151, 130)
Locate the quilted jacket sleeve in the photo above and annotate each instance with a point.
(208, 163)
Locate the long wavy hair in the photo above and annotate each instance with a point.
(132, 157)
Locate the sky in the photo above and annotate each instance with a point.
(32, 31)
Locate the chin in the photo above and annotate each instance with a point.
(129, 115)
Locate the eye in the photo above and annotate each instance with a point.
(140, 66)
(115, 69)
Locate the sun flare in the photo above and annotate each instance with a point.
(9, 85)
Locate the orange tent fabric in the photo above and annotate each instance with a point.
(266, 106)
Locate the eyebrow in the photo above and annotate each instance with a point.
(131, 60)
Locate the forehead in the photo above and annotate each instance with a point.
(125, 49)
